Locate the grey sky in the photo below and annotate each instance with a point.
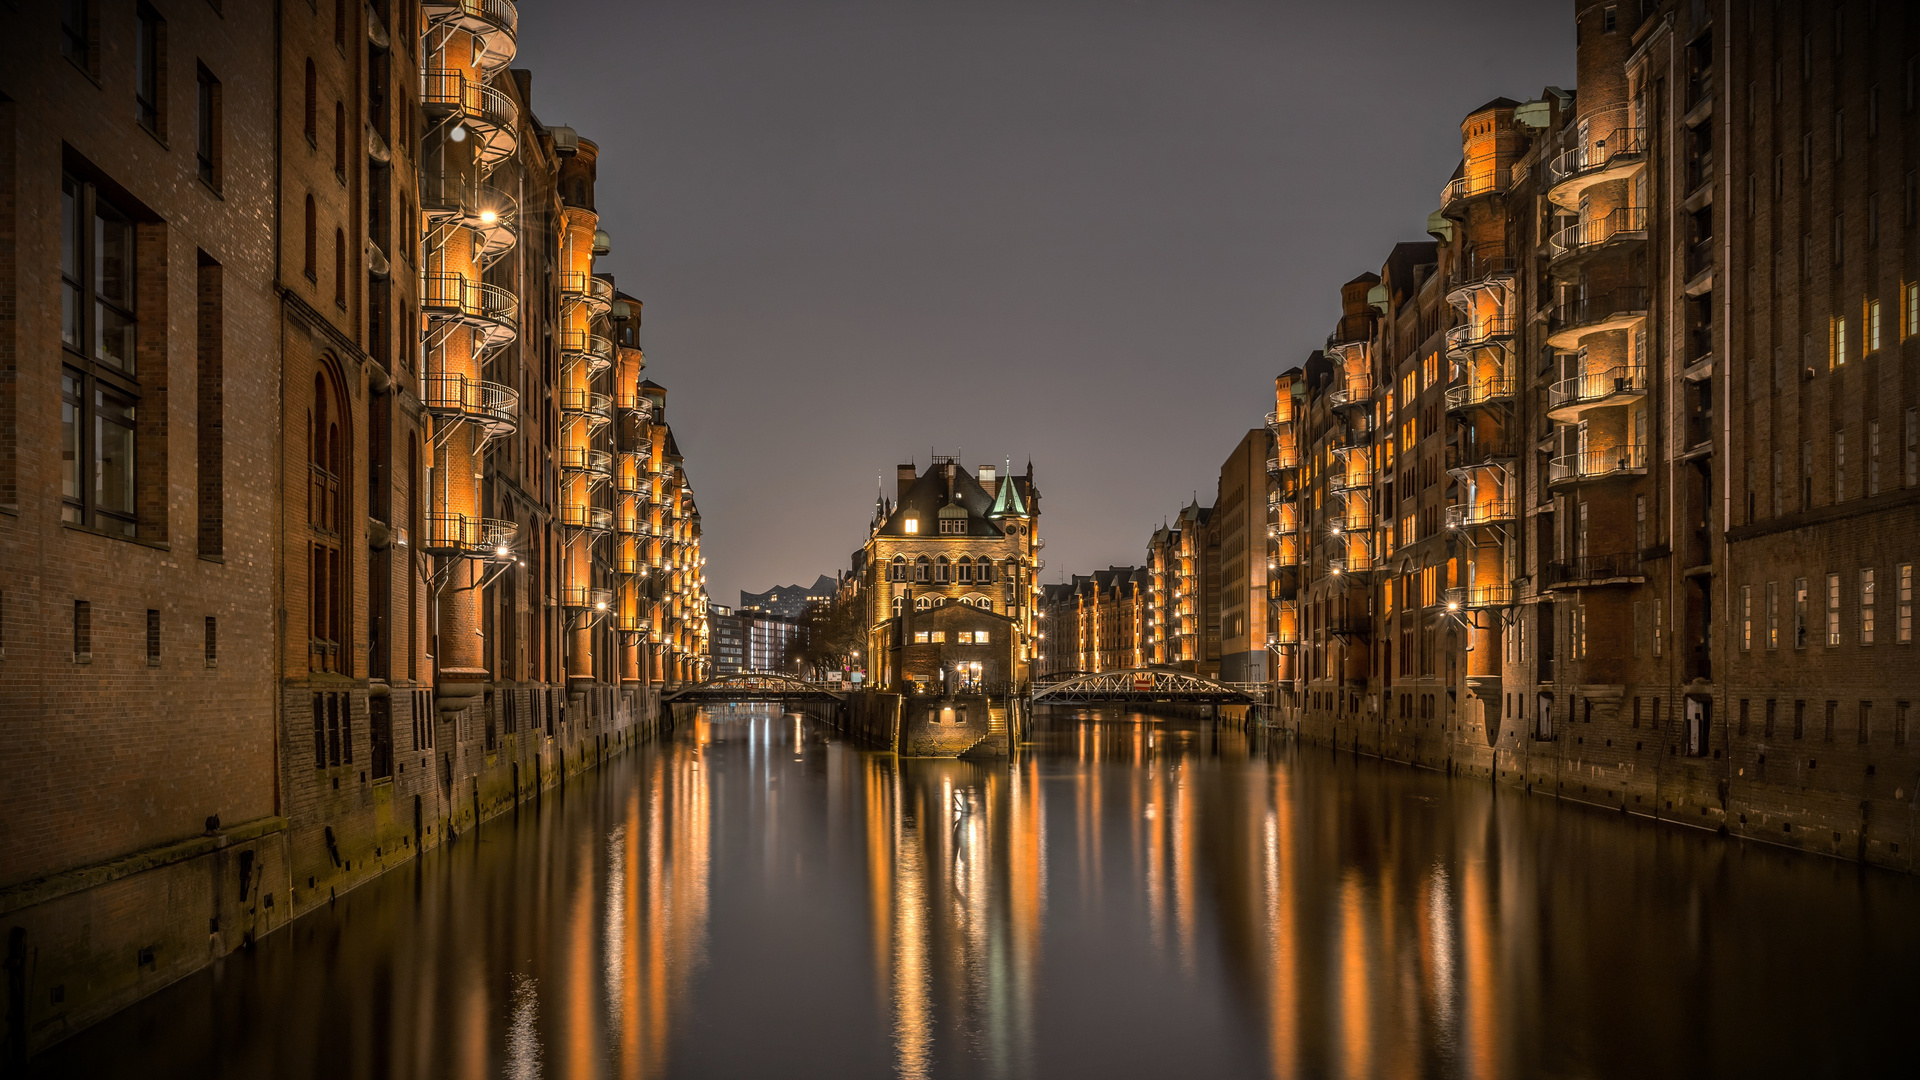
(1085, 232)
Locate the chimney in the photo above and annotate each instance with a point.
(986, 477)
(906, 476)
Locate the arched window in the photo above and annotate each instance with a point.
(340, 140)
(897, 569)
(340, 267)
(983, 604)
(309, 264)
(921, 603)
(313, 103)
(922, 569)
(327, 464)
(942, 572)
(984, 572)
(965, 572)
(899, 605)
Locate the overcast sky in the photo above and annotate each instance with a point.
(1089, 233)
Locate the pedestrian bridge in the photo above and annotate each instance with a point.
(1149, 684)
(752, 686)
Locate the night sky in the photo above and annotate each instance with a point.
(1089, 233)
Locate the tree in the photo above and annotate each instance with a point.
(830, 631)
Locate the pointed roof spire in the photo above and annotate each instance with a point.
(1008, 503)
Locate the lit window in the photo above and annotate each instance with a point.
(920, 637)
(1904, 631)
(964, 637)
(1912, 324)
(1773, 616)
(1799, 613)
(1873, 325)
(1866, 607)
(1746, 618)
(1839, 355)
(913, 525)
(1833, 610)
(939, 637)
(980, 637)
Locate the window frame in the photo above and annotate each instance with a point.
(89, 382)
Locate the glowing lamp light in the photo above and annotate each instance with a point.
(501, 551)
(600, 605)
(489, 217)
(1453, 605)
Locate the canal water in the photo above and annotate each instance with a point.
(1137, 896)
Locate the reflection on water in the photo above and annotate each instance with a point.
(1135, 897)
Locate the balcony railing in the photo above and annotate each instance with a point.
(1474, 185)
(490, 114)
(1597, 155)
(1591, 568)
(596, 464)
(596, 293)
(1625, 460)
(490, 309)
(1354, 390)
(1478, 332)
(1595, 314)
(630, 475)
(587, 597)
(474, 537)
(1350, 480)
(1478, 455)
(590, 518)
(1480, 393)
(597, 409)
(1480, 273)
(596, 350)
(634, 623)
(1625, 223)
(1473, 597)
(490, 405)
(1277, 420)
(487, 19)
(1472, 515)
(1571, 396)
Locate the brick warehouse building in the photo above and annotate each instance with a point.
(952, 539)
(431, 546)
(1611, 490)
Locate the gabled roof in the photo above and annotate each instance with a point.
(1008, 503)
(928, 497)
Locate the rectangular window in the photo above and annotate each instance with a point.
(82, 632)
(1873, 457)
(1800, 719)
(939, 637)
(981, 637)
(1833, 610)
(1839, 466)
(213, 643)
(1659, 608)
(99, 398)
(1773, 616)
(206, 143)
(1903, 629)
(1865, 729)
(1799, 613)
(1866, 607)
(1806, 475)
(76, 32)
(149, 71)
(1838, 337)
(1639, 521)
(1873, 325)
(153, 637)
(1746, 618)
(211, 409)
(920, 637)
(1910, 317)
(1772, 710)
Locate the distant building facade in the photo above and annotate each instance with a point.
(791, 601)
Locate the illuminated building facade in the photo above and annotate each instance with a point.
(348, 520)
(1610, 490)
(1096, 622)
(947, 576)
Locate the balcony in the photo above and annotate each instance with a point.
(637, 405)
(494, 22)
(595, 409)
(1627, 224)
(493, 215)
(1477, 597)
(1568, 398)
(1283, 637)
(491, 311)
(1492, 454)
(1480, 274)
(1350, 480)
(1618, 569)
(634, 623)
(1480, 393)
(491, 406)
(596, 465)
(1618, 310)
(591, 518)
(470, 537)
(1476, 515)
(1285, 459)
(489, 115)
(582, 288)
(594, 350)
(1625, 460)
(1355, 391)
(1277, 420)
(628, 562)
(1474, 185)
(1618, 156)
(586, 597)
(1477, 333)
(631, 475)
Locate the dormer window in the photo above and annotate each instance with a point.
(912, 526)
(953, 526)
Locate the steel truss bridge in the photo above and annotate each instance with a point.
(1149, 685)
(752, 686)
